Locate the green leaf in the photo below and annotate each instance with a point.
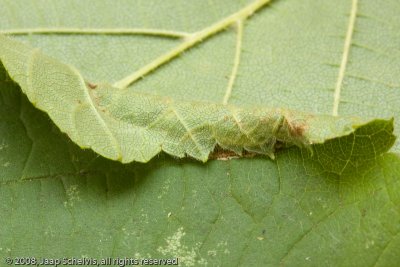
(291, 52)
(66, 202)
(128, 126)
(321, 64)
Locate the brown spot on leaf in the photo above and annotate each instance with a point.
(92, 85)
(223, 154)
(296, 129)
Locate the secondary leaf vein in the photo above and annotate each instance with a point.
(190, 41)
(92, 31)
(345, 56)
(232, 78)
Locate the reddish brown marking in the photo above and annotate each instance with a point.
(92, 85)
(221, 154)
(296, 130)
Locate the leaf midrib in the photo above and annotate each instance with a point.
(192, 39)
(189, 40)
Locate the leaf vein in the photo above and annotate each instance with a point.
(190, 41)
(99, 31)
(238, 50)
(345, 57)
(98, 115)
(189, 132)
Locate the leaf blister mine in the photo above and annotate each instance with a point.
(129, 126)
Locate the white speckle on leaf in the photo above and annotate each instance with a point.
(144, 217)
(6, 164)
(222, 244)
(175, 248)
(3, 145)
(212, 253)
(202, 261)
(49, 232)
(369, 244)
(72, 195)
(165, 189)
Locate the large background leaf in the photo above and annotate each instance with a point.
(65, 202)
(60, 201)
